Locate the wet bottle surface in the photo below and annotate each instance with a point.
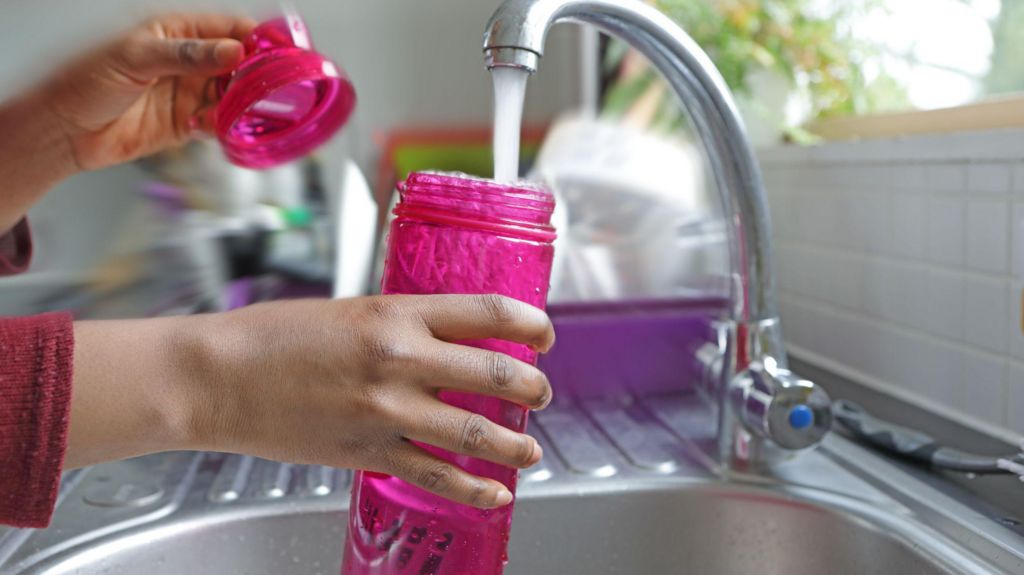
(453, 234)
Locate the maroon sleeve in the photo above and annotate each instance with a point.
(36, 356)
(15, 249)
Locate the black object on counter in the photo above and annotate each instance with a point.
(915, 445)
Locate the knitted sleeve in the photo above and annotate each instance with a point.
(36, 355)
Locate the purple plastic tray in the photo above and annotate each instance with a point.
(629, 347)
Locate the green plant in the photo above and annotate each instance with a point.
(806, 41)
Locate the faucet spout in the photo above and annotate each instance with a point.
(515, 38)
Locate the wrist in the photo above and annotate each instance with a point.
(190, 349)
(30, 122)
(130, 390)
(207, 349)
(35, 154)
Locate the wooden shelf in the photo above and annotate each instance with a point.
(992, 114)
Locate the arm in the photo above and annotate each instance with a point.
(350, 383)
(141, 93)
(137, 95)
(34, 157)
(346, 383)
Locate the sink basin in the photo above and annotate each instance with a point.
(701, 529)
(643, 504)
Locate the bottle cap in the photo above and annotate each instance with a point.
(283, 100)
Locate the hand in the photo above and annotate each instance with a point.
(346, 383)
(139, 94)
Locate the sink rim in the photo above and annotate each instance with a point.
(903, 527)
(838, 478)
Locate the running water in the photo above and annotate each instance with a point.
(509, 93)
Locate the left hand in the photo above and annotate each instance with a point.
(145, 91)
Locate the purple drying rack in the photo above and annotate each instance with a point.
(633, 347)
(603, 349)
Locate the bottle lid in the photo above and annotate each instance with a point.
(283, 100)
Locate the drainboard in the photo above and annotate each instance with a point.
(625, 488)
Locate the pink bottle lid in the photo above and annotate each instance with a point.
(283, 100)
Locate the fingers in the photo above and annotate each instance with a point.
(147, 58)
(204, 26)
(180, 44)
(460, 431)
(416, 466)
(463, 368)
(459, 317)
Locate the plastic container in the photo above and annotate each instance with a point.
(453, 234)
(283, 100)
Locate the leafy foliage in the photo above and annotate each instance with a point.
(807, 41)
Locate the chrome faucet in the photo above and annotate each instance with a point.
(765, 411)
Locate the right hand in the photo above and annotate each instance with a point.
(351, 383)
(139, 93)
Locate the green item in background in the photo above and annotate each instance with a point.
(808, 42)
(298, 217)
(473, 159)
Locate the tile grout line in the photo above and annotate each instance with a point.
(903, 330)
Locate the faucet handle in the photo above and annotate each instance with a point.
(776, 404)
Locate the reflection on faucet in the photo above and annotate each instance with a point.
(515, 38)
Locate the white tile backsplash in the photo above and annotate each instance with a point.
(1015, 398)
(984, 388)
(909, 177)
(987, 313)
(1015, 323)
(946, 177)
(1018, 179)
(877, 231)
(876, 288)
(943, 294)
(908, 226)
(847, 285)
(988, 236)
(992, 178)
(941, 373)
(1017, 239)
(904, 259)
(946, 219)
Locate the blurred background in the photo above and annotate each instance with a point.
(888, 132)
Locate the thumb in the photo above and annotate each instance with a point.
(153, 58)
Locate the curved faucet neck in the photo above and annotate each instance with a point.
(515, 38)
(755, 403)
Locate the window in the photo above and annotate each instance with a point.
(942, 53)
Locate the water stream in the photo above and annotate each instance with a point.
(509, 93)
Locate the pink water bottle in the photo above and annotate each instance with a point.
(283, 100)
(461, 235)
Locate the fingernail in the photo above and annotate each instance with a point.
(538, 454)
(503, 498)
(545, 402)
(228, 52)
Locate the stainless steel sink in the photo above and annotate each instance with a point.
(644, 504)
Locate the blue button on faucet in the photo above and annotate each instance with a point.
(801, 417)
